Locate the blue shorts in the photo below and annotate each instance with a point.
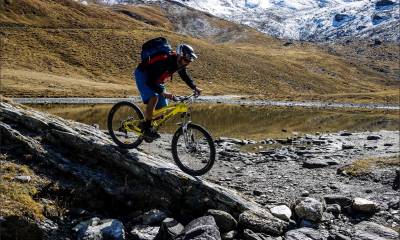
(146, 92)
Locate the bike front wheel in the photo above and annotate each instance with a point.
(193, 150)
(123, 124)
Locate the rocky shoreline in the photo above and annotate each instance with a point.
(224, 99)
(304, 187)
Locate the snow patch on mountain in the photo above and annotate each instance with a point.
(315, 20)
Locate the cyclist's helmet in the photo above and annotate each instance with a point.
(186, 51)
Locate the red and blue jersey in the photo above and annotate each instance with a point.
(160, 68)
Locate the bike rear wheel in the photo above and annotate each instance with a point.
(193, 150)
(123, 124)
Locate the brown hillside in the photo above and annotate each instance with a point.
(68, 49)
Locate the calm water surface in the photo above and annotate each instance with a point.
(251, 122)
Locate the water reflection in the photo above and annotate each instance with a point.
(251, 122)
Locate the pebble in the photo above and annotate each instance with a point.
(24, 178)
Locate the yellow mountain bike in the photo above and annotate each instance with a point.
(193, 148)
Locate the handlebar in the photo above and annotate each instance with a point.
(185, 98)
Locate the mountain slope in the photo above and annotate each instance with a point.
(55, 54)
(310, 20)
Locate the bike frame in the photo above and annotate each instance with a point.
(162, 115)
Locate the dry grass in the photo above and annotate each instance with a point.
(17, 198)
(364, 166)
(97, 59)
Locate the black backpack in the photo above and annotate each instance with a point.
(154, 47)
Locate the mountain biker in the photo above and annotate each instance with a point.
(151, 76)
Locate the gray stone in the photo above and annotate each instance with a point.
(96, 229)
(304, 234)
(347, 146)
(144, 232)
(250, 235)
(335, 209)
(315, 163)
(338, 236)
(373, 137)
(23, 178)
(342, 200)
(396, 181)
(372, 231)
(364, 205)
(309, 208)
(203, 228)
(262, 222)
(345, 134)
(153, 216)
(224, 220)
(394, 203)
(169, 229)
(282, 211)
(229, 235)
(49, 133)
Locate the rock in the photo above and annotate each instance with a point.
(307, 224)
(335, 209)
(394, 203)
(309, 208)
(23, 178)
(283, 212)
(347, 146)
(372, 231)
(153, 217)
(345, 134)
(224, 220)
(338, 236)
(257, 193)
(373, 137)
(315, 163)
(343, 201)
(169, 229)
(305, 193)
(202, 228)
(382, 4)
(250, 235)
(50, 139)
(78, 212)
(364, 205)
(96, 229)
(396, 182)
(144, 232)
(304, 234)
(229, 235)
(262, 222)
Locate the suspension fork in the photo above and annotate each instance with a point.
(185, 121)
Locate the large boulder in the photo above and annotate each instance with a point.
(372, 231)
(51, 139)
(262, 222)
(203, 228)
(96, 229)
(309, 209)
(224, 220)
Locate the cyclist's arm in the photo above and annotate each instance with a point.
(186, 78)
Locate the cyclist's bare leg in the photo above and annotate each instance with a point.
(151, 105)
